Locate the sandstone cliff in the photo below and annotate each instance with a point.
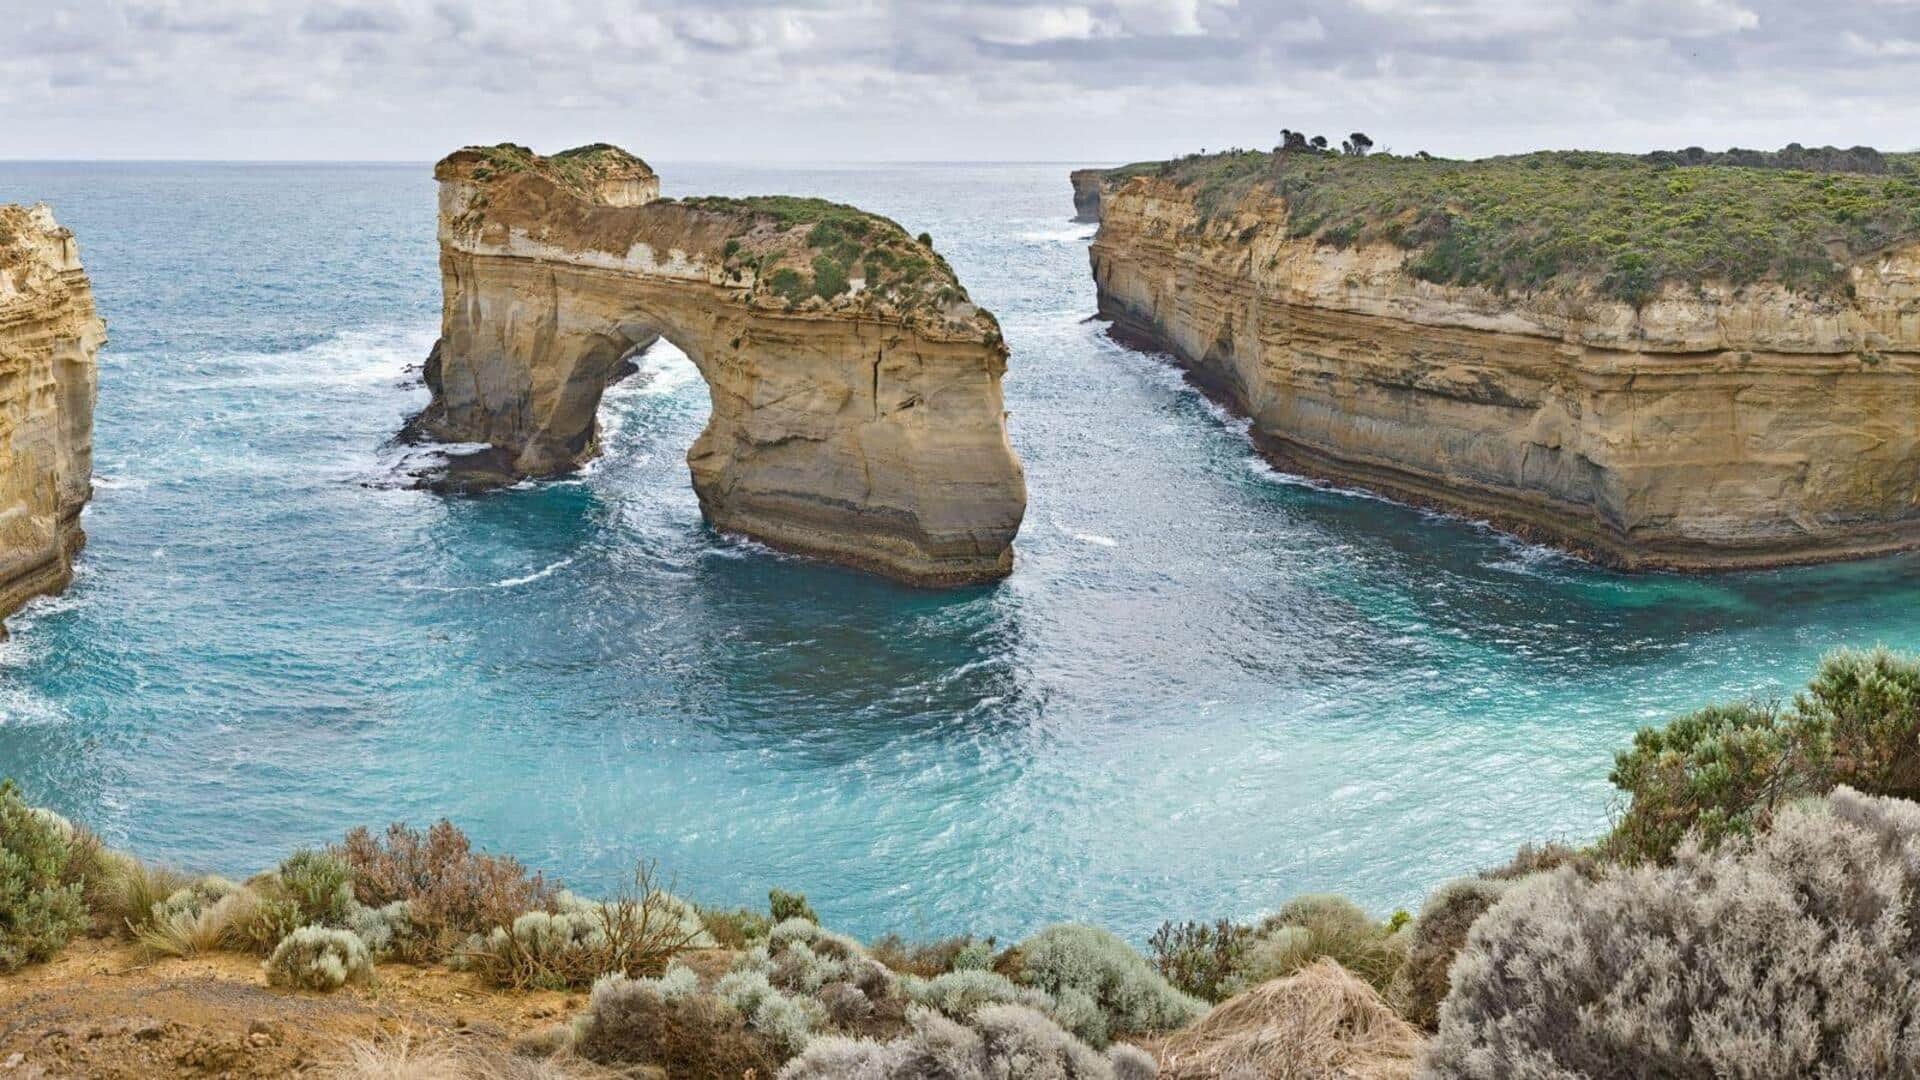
(857, 411)
(49, 332)
(1711, 426)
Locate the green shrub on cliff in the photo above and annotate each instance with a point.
(319, 958)
(1626, 224)
(43, 866)
(1725, 770)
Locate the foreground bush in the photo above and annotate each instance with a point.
(450, 892)
(1795, 953)
(319, 958)
(1725, 770)
(1319, 1024)
(636, 933)
(1100, 986)
(1003, 1041)
(1438, 935)
(43, 866)
(669, 1024)
(1200, 958)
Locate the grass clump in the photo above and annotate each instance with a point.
(1626, 224)
(43, 872)
(1319, 1022)
(210, 915)
(1724, 771)
(1791, 953)
(319, 958)
(1316, 926)
(449, 891)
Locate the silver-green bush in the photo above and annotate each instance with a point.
(319, 958)
(1794, 953)
(1129, 995)
(1002, 1041)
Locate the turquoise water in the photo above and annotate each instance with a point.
(1205, 688)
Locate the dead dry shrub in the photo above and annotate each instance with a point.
(635, 933)
(923, 958)
(1321, 1023)
(452, 892)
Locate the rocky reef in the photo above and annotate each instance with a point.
(49, 333)
(1649, 408)
(857, 411)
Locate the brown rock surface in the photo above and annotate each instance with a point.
(49, 333)
(1712, 428)
(862, 424)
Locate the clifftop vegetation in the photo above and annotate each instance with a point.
(839, 245)
(1625, 224)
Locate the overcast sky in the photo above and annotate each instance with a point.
(945, 80)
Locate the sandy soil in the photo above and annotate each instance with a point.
(102, 1010)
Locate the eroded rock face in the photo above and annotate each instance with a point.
(1087, 186)
(49, 333)
(1713, 428)
(857, 412)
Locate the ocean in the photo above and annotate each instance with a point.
(1206, 688)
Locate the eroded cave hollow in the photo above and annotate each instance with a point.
(857, 412)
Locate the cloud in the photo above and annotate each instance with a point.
(944, 79)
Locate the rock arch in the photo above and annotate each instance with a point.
(857, 411)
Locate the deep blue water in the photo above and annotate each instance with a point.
(1204, 689)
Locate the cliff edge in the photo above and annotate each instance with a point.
(1693, 368)
(49, 333)
(857, 410)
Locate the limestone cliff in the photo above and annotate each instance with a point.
(857, 411)
(49, 332)
(1087, 184)
(1711, 426)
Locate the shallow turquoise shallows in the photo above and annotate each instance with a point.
(1205, 688)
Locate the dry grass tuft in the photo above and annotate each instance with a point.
(406, 1057)
(1318, 1024)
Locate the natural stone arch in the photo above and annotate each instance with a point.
(857, 412)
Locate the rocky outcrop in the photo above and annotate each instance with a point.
(49, 333)
(1087, 186)
(857, 411)
(1713, 427)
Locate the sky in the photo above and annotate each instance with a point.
(945, 80)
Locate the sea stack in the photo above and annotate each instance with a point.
(49, 333)
(857, 411)
(1647, 422)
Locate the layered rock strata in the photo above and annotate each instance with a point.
(857, 412)
(49, 333)
(1710, 428)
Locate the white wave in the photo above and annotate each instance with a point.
(1265, 470)
(348, 358)
(118, 483)
(1092, 538)
(665, 369)
(504, 583)
(1070, 235)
